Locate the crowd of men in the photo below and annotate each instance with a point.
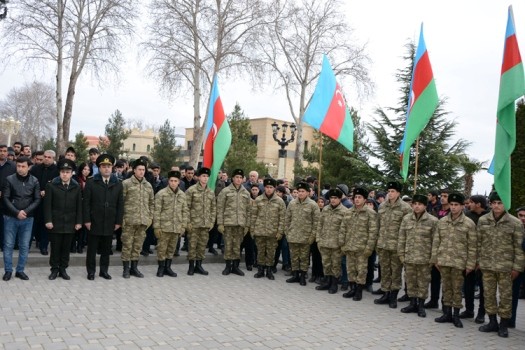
(443, 240)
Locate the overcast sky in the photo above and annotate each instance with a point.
(465, 43)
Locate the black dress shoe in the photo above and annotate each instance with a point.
(378, 292)
(44, 252)
(53, 275)
(213, 251)
(21, 275)
(249, 267)
(7, 276)
(64, 275)
(91, 276)
(105, 275)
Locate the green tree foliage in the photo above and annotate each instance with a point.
(243, 151)
(518, 161)
(50, 144)
(165, 150)
(440, 161)
(81, 147)
(116, 133)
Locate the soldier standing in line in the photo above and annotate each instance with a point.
(267, 226)
(391, 213)
(170, 219)
(302, 218)
(415, 249)
(202, 214)
(138, 215)
(454, 249)
(233, 220)
(327, 238)
(501, 259)
(357, 239)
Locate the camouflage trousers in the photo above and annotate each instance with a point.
(132, 239)
(331, 258)
(417, 277)
(265, 250)
(233, 236)
(300, 255)
(502, 281)
(198, 239)
(166, 245)
(357, 267)
(391, 268)
(451, 284)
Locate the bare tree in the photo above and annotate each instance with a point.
(301, 33)
(192, 40)
(33, 106)
(70, 35)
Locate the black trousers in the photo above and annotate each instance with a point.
(149, 240)
(317, 262)
(248, 244)
(103, 245)
(60, 247)
(370, 269)
(435, 284)
(473, 278)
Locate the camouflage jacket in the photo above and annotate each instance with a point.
(455, 243)
(267, 219)
(233, 207)
(302, 219)
(499, 243)
(358, 231)
(171, 211)
(390, 217)
(415, 238)
(327, 235)
(202, 206)
(138, 202)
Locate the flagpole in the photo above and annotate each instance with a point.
(320, 167)
(415, 168)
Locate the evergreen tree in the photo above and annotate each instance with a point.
(81, 147)
(50, 144)
(116, 133)
(518, 161)
(243, 151)
(165, 150)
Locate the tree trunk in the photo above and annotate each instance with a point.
(68, 112)
(60, 38)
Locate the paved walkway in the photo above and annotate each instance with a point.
(214, 312)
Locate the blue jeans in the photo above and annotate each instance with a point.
(14, 227)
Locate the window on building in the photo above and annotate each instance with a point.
(190, 145)
(134, 147)
(148, 148)
(254, 139)
(306, 145)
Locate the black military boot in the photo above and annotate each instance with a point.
(431, 304)
(480, 318)
(392, 303)
(302, 278)
(384, 299)
(269, 273)
(199, 269)
(447, 315)
(351, 292)
(326, 284)
(228, 268)
(456, 320)
(235, 268)
(134, 271)
(260, 272)
(125, 272)
(503, 328)
(492, 326)
(167, 269)
(466, 314)
(404, 298)
(191, 268)
(160, 269)
(294, 278)
(333, 285)
(412, 307)
(421, 308)
(358, 292)
(378, 292)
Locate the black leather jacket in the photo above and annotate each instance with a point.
(21, 193)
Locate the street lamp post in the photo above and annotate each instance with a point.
(283, 142)
(9, 126)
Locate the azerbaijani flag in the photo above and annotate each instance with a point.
(217, 136)
(422, 102)
(327, 111)
(511, 87)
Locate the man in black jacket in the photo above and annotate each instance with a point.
(21, 197)
(103, 213)
(7, 168)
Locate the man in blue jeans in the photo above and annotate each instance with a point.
(21, 196)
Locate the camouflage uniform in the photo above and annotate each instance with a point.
(454, 249)
(414, 248)
(202, 213)
(267, 226)
(233, 212)
(499, 248)
(327, 238)
(138, 215)
(357, 239)
(390, 217)
(302, 219)
(171, 218)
